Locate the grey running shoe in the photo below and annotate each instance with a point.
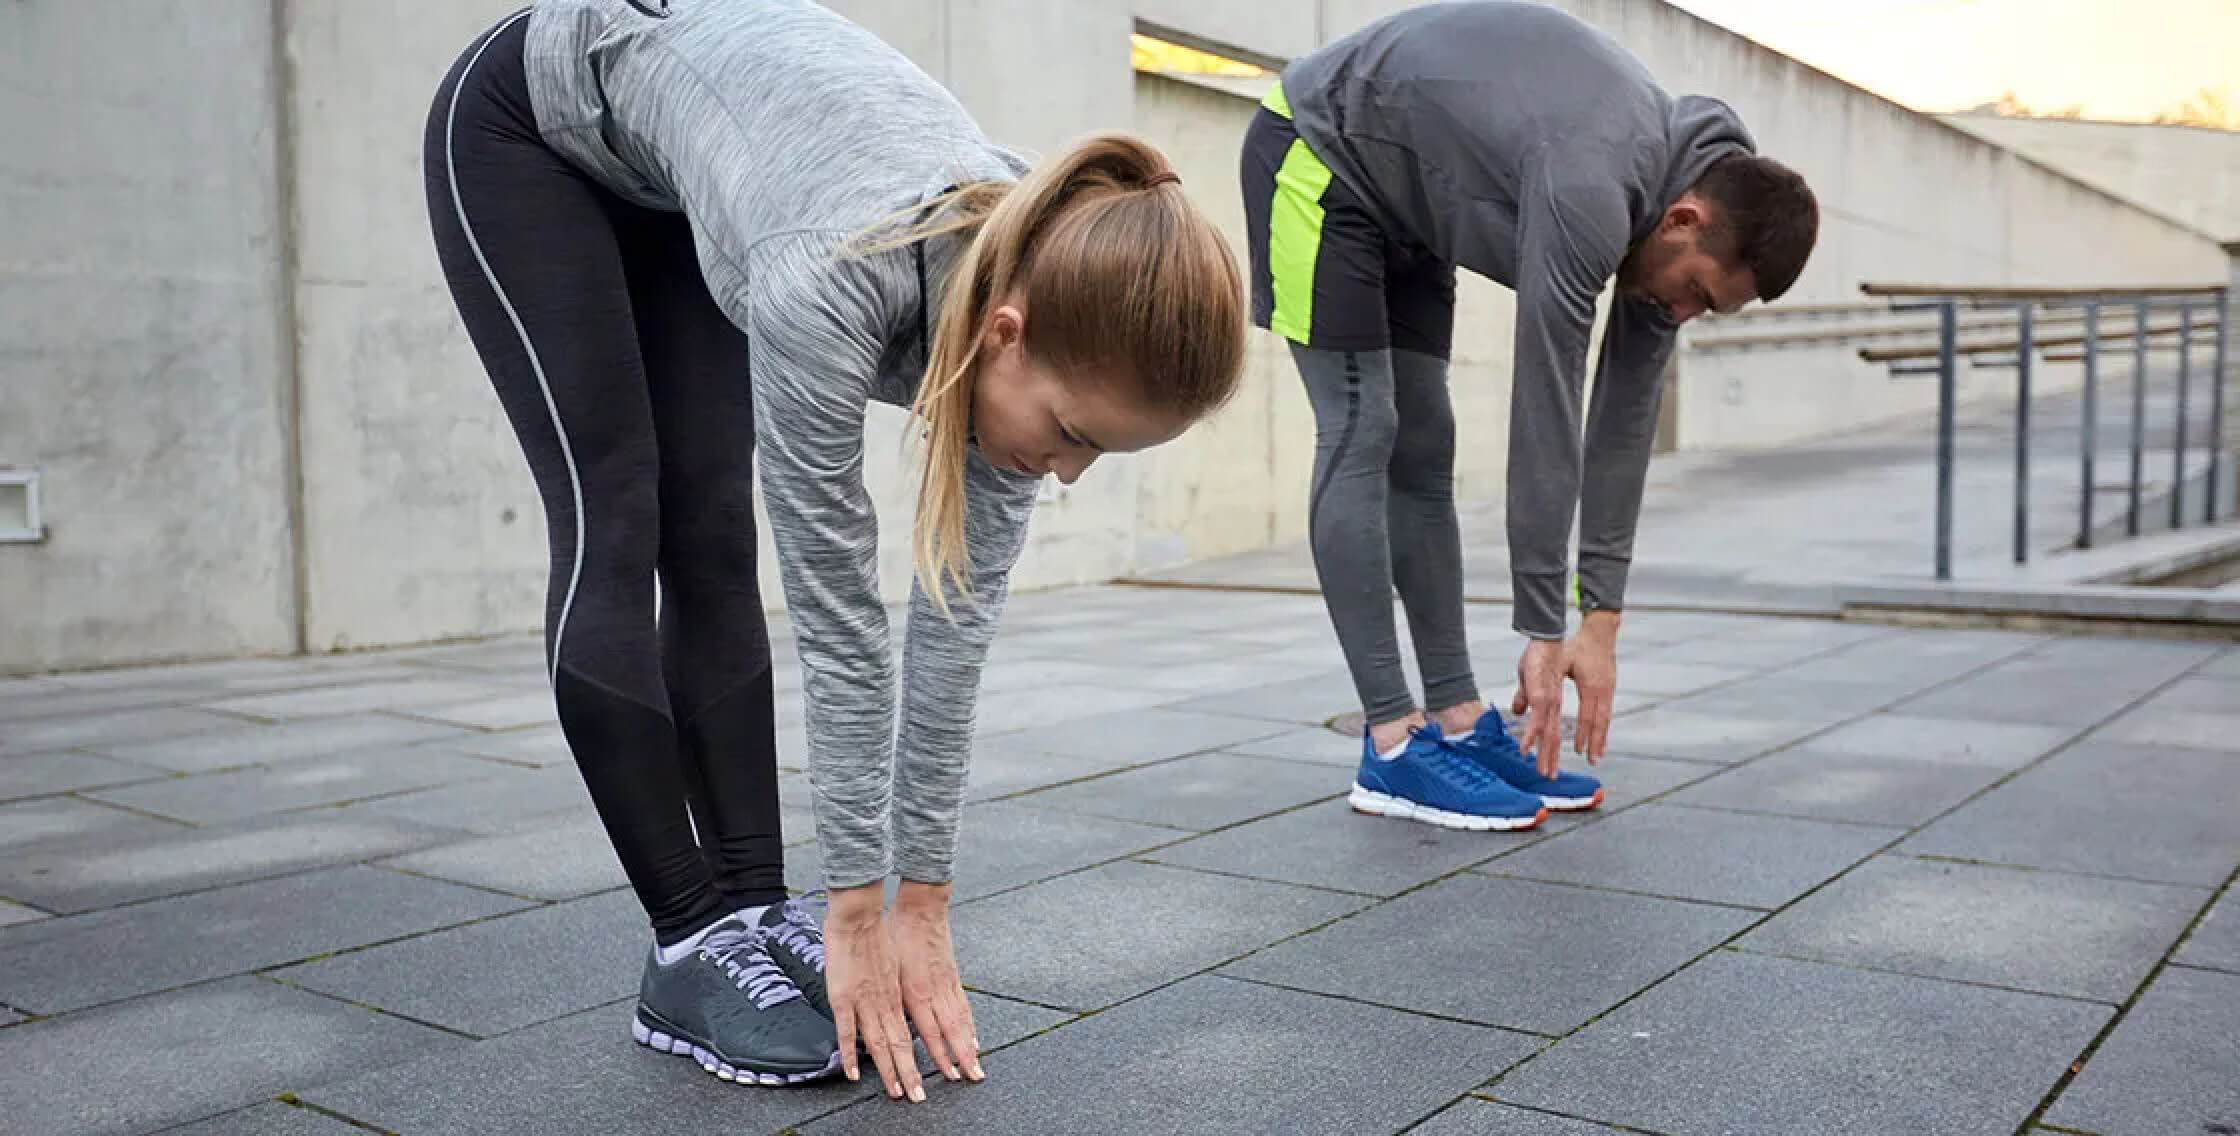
(728, 1006)
(795, 941)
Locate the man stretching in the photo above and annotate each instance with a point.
(1516, 141)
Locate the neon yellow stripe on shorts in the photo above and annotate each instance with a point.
(1294, 232)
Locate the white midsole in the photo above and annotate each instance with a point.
(1382, 804)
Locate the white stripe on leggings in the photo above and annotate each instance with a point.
(567, 455)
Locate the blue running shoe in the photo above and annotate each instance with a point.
(1432, 783)
(1490, 746)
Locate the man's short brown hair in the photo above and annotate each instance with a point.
(1768, 217)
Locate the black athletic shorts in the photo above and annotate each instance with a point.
(1324, 273)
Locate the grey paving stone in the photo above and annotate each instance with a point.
(1006, 765)
(1747, 1044)
(1778, 696)
(193, 1054)
(1214, 1056)
(497, 801)
(2197, 695)
(2158, 659)
(2226, 665)
(14, 913)
(1610, 946)
(1717, 857)
(1003, 845)
(2144, 813)
(68, 820)
(272, 1118)
(1202, 792)
(63, 771)
(1309, 701)
(2029, 696)
(480, 979)
(1946, 741)
(998, 1022)
(564, 859)
(1134, 737)
(1328, 845)
(537, 745)
(267, 744)
(1315, 744)
(2169, 1065)
(1916, 659)
(2187, 729)
(1667, 732)
(57, 965)
(1475, 1116)
(1808, 782)
(495, 712)
(2215, 942)
(9, 1018)
(1626, 781)
(1055, 708)
(2029, 930)
(84, 877)
(349, 697)
(1743, 650)
(578, 1076)
(101, 730)
(1090, 939)
(208, 798)
(1651, 676)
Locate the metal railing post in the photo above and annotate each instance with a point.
(1948, 336)
(2178, 459)
(2218, 362)
(2091, 417)
(2138, 421)
(2025, 346)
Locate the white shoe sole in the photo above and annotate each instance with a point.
(1570, 804)
(660, 1042)
(1380, 804)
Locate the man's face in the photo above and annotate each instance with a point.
(1674, 268)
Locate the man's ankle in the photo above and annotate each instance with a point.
(1460, 718)
(1384, 737)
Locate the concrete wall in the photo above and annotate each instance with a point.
(2190, 173)
(217, 260)
(143, 363)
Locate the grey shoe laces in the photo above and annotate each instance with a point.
(741, 955)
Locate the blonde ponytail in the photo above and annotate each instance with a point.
(1121, 277)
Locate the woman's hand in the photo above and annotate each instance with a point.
(931, 990)
(864, 985)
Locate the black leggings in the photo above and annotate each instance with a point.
(628, 389)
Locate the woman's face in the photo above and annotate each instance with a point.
(1034, 420)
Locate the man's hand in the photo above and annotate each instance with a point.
(1540, 699)
(1590, 660)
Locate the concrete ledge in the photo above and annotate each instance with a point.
(2193, 606)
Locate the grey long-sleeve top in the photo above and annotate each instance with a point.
(781, 131)
(1521, 143)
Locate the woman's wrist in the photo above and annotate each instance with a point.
(914, 898)
(855, 907)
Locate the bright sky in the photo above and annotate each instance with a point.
(2121, 59)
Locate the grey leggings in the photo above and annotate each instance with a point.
(1382, 514)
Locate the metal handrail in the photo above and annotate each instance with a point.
(2001, 293)
(1986, 347)
(2198, 308)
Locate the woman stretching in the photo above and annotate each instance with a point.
(680, 231)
